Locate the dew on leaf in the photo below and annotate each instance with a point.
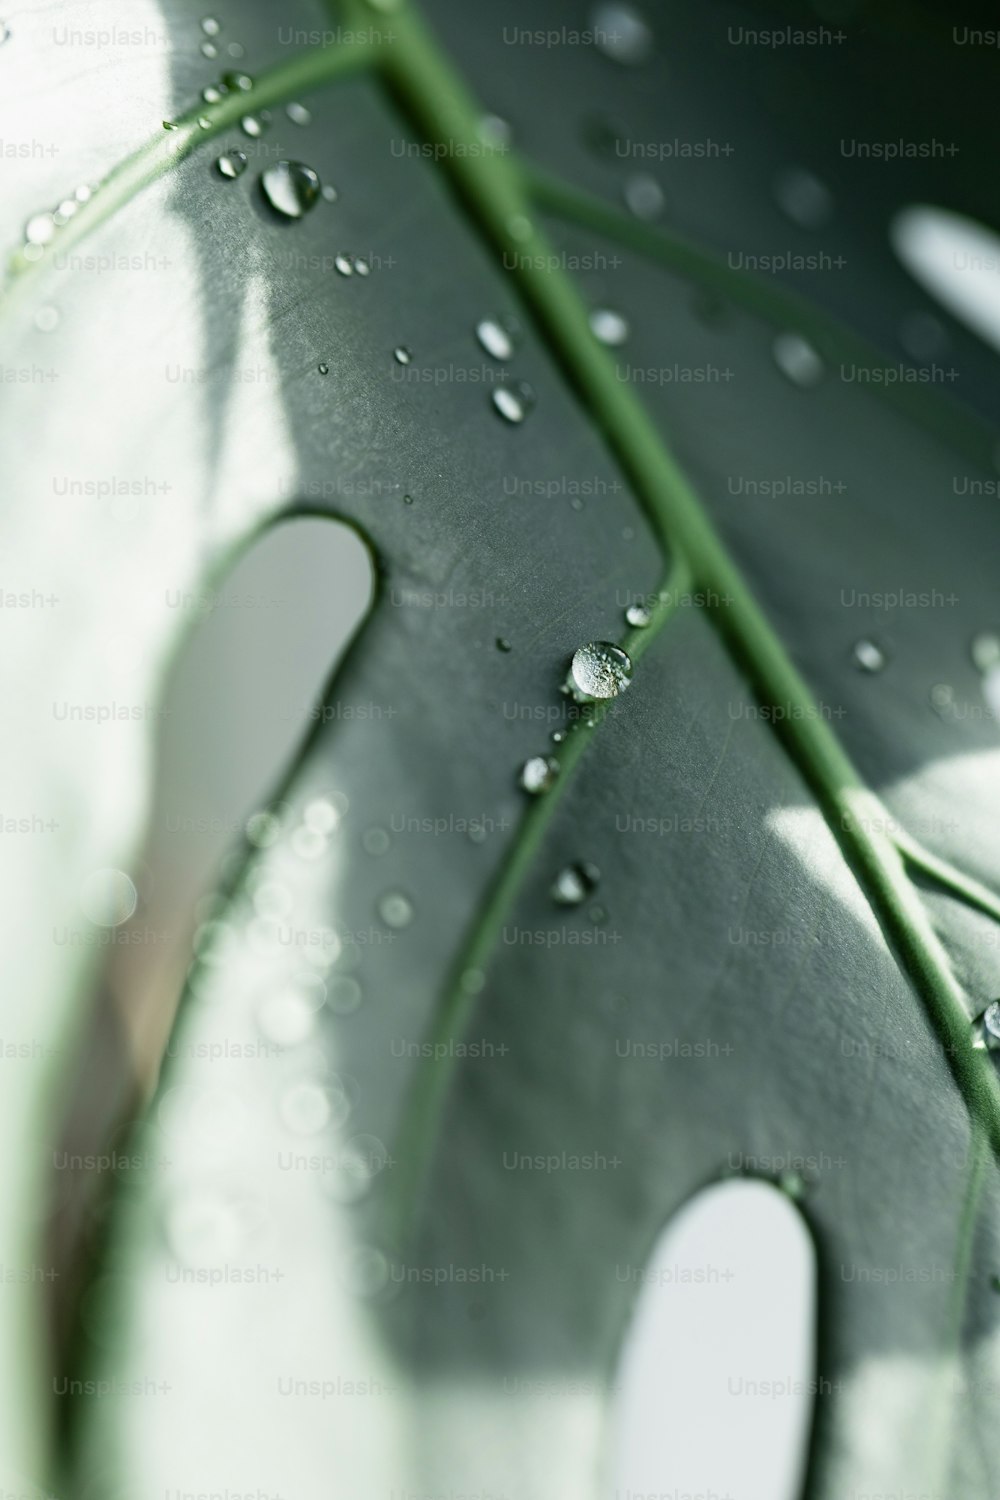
(323, 368)
(305, 1107)
(401, 354)
(253, 126)
(621, 33)
(344, 265)
(361, 267)
(330, 193)
(519, 227)
(171, 125)
(395, 909)
(502, 643)
(212, 94)
(236, 49)
(40, 229)
(797, 360)
(599, 670)
(375, 841)
(324, 813)
(942, 695)
(575, 883)
(643, 196)
(803, 197)
(608, 327)
(638, 616)
(538, 774)
(868, 656)
(241, 83)
(84, 193)
(210, 26)
(513, 402)
(209, 50)
(204, 123)
(298, 114)
(290, 187)
(67, 208)
(496, 336)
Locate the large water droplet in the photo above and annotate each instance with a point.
(513, 402)
(575, 883)
(988, 1027)
(643, 196)
(298, 114)
(621, 33)
(538, 774)
(869, 656)
(797, 360)
(108, 898)
(395, 909)
(608, 326)
(40, 229)
(231, 165)
(496, 336)
(801, 195)
(290, 187)
(598, 670)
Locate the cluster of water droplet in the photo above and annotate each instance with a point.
(42, 229)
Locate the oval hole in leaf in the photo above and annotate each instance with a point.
(956, 260)
(725, 1303)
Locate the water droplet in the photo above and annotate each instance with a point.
(209, 50)
(236, 49)
(364, 1271)
(407, 499)
(621, 33)
(923, 336)
(305, 1107)
(503, 644)
(868, 656)
(495, 132)
(212, 94)
(609, 327)
(538, 774)
(496, 336)
(330, 193)
(985, 651)
(108, 897)
(290, 187)
(942, 695)
(84, 193)
(324, 369)
(202, 1229)
(253, 126)
(210, 26)
(558, 735)
(598, 671)
(643, 196)
(343, 995)
(375, 841)
(40, 229)
(988, 1025)
(801, 195)
(298, 114)
(231, 165)
(323, 814)
(240, 83)
(575, 883)
(797, 360)
(286, 1018)
(513, 402)
(395, 909)
(344, 265)
(401, 354)
(67, 208)
(204, 123)
(361, 267)
(638, 616)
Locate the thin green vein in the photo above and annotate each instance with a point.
(422, 1114)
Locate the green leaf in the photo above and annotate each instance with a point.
(390, 1249)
